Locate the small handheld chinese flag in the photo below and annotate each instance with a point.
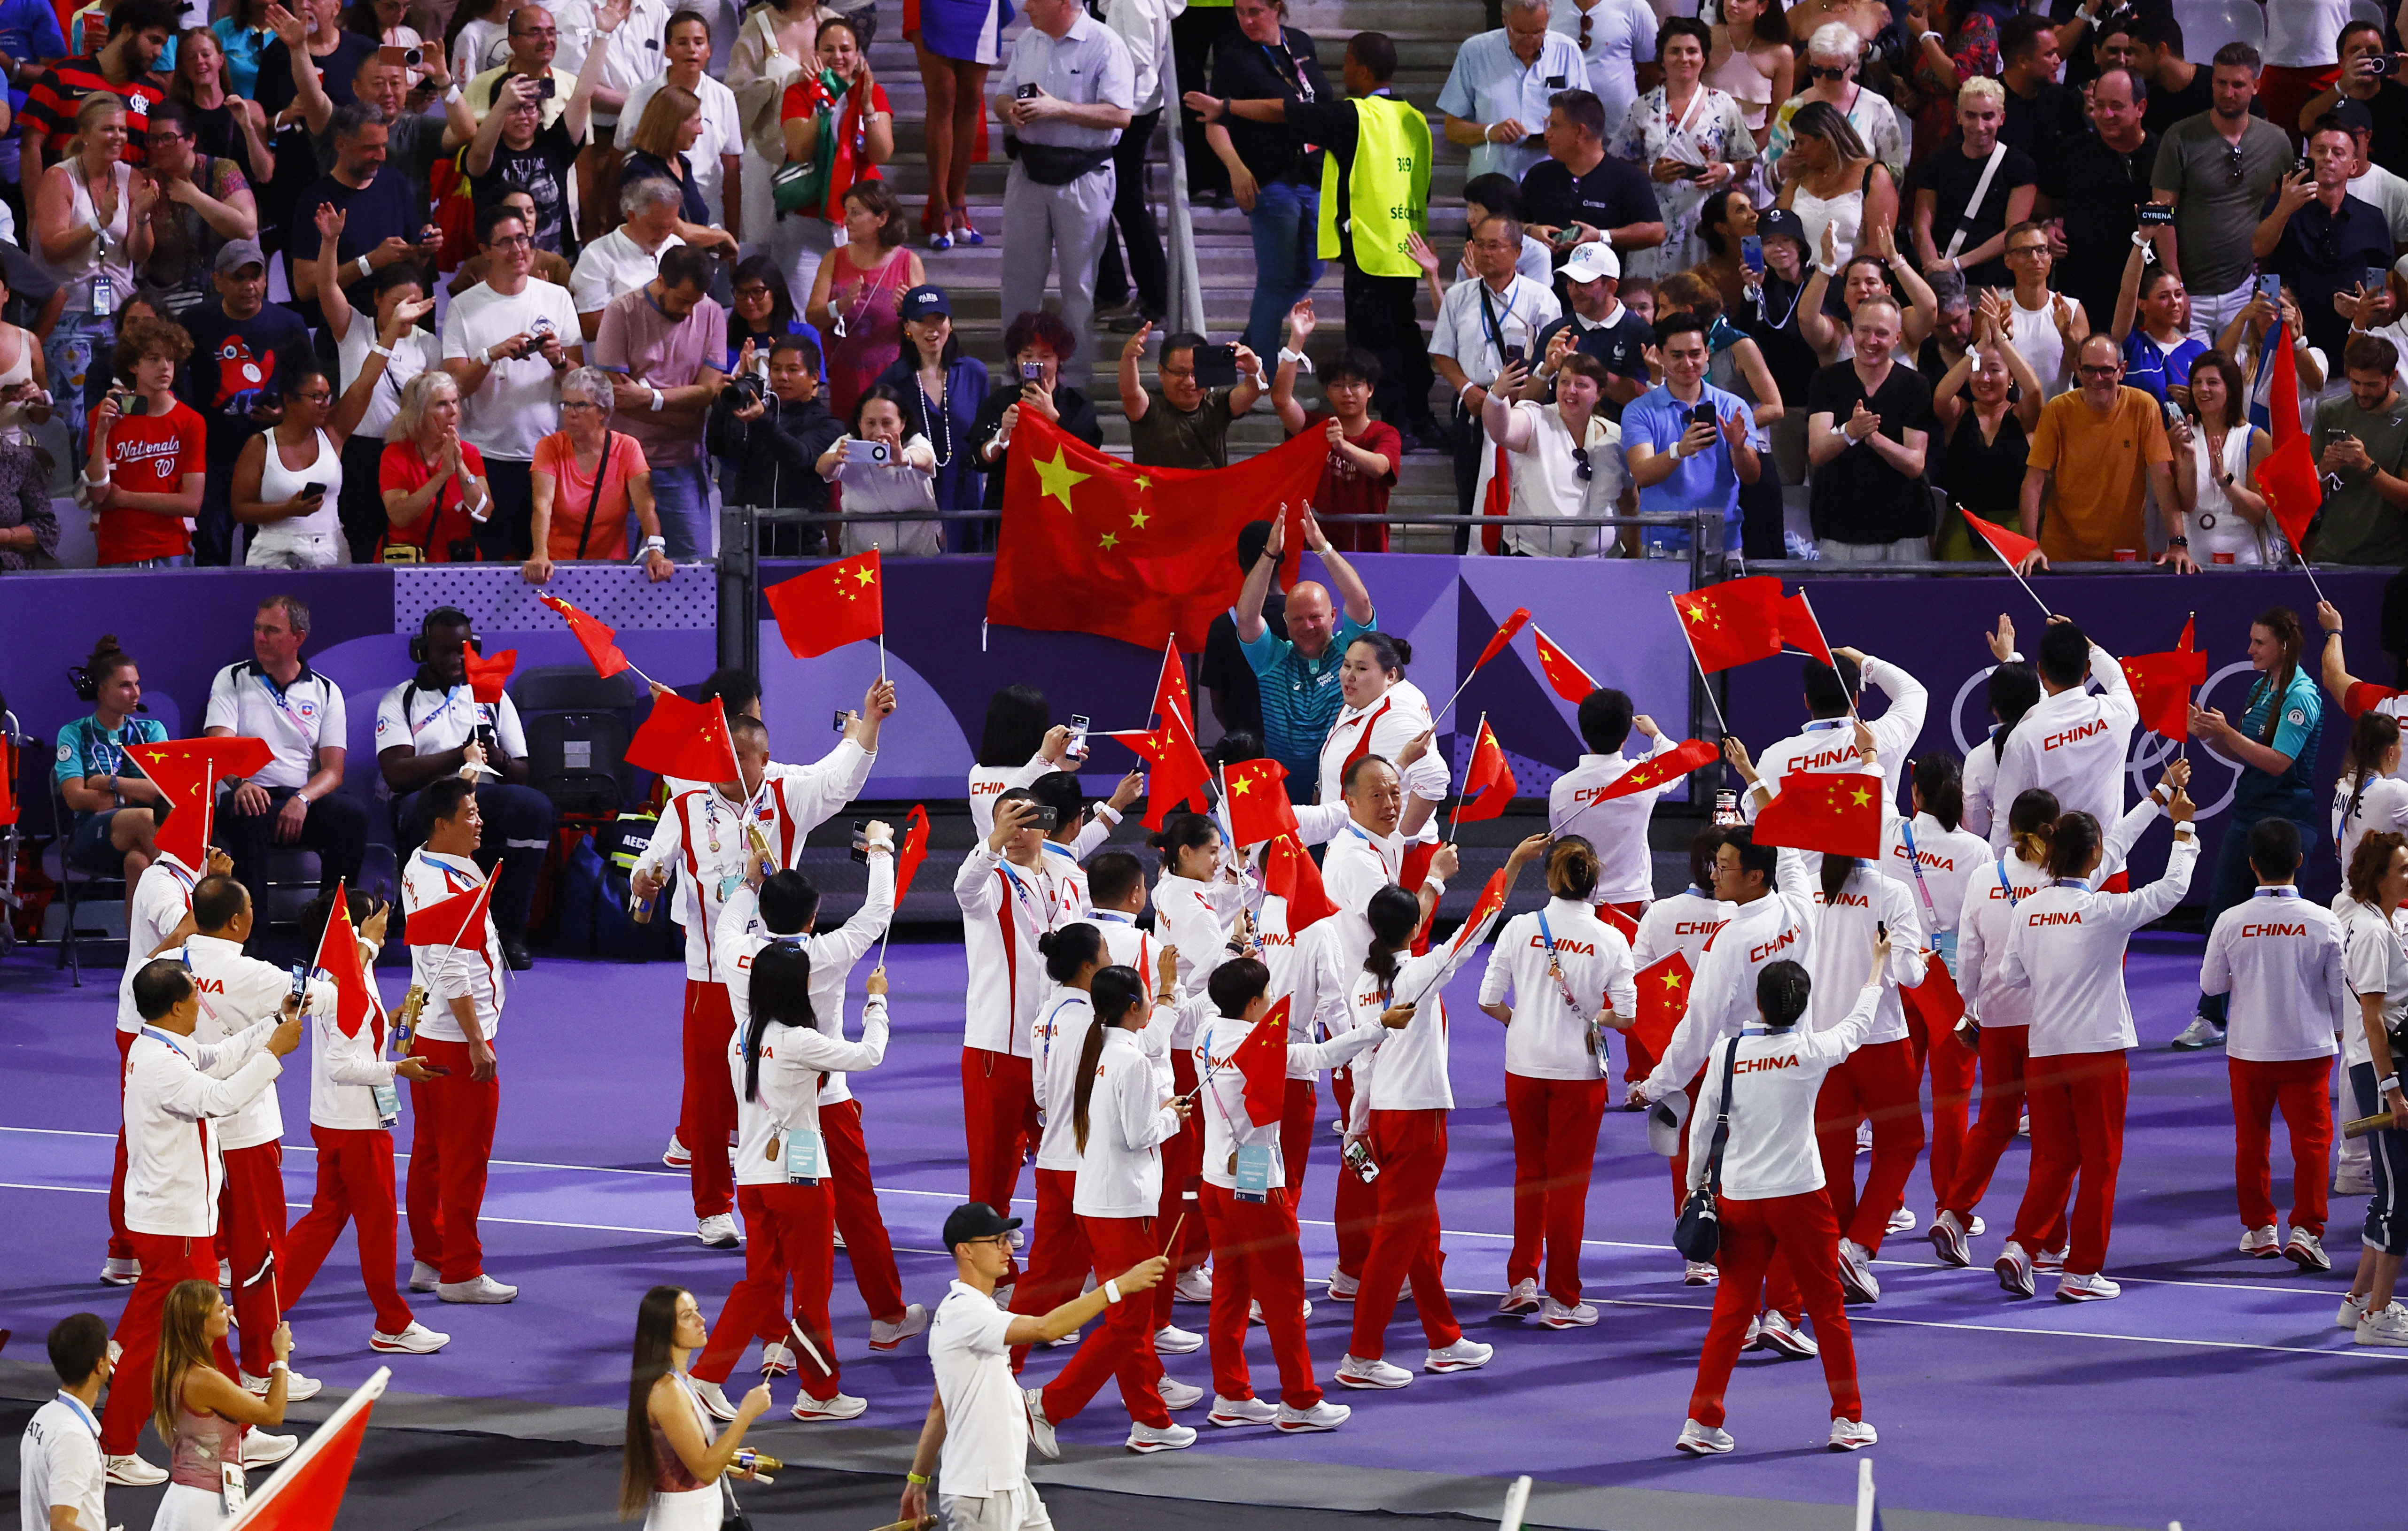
(489, 673)
(1490, 903)
(1262, 1059)
(1663, 999)
(1257, 801)
(1659, 771)
(338, 957)
(2010, 546)
(1732, 623)
(2162, 684)
(1505, 631)
(457, 921)
(1800, 630)
(187, 771)
(1288, 873)
(912, 852)
(2288, 477)
(1175, 768)
(1568, 679)
(685, 739)
(595, 635)
(1488, 785)
(831, 606)
(1935, 1001)
(1171, 699)
(1839, 812)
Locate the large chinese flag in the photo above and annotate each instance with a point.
(1840, 812)
(2288, 477)
(1733, 623)
(307, 1492)
(1091, 544)
(829, 607)
(1262, 1060)
(1663, 999)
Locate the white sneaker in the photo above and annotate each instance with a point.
(1555, 1316)
(225, 1274)
(1067, 1342)
(416, 1340)
(842, 1407)
(1019, 1238)
(1852, 1434)
(1342, 1286)
(1463, 1355)
(2352, 1307)
(260, 1449)
(1230, 1413)
(1522, 1300)
(719, 1232)
(1177, 1395)
(297, 1388)
(131, 1471)
(1323, 1415)
(116, 1272)
(2092, 1288)
(1948, 1241)
(2265, 1243)
(1864, 1137)
(675, 1156)
(1755, 1337)
(885, 1336)
(2023, 1125)
(1977, 1228)
(484, 1289)
(1902, 1220)
(839, 1239)
(1170, 1339)
(423, 1277)
(1703, 1440)
(1193, 1286)
(2048, 1260)
(2348, 1181)
(1856, 1278)
(1041, 1429)
(2388, 1327)
(1145, 1439)
(2014, 1268)
(1354, 1371)
(2201, 1033)
(776, 1359)
(1700, 1273)
(714, 1398)
(1785, 1339)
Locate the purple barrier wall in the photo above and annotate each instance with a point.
(1934, 628)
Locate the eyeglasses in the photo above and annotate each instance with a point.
(538, 32)
(1581, 469)
(2098, 369)
(511, 241)
(320, 396)
(567, 405)
(2026, 250)
(752, 289)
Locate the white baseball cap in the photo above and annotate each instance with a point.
(1592, 262)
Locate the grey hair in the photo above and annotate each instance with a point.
(1835, 40)
(297, 610)
(591, 382)
(1526, 5)
(354, 115)
(642, 194)
(415, 395)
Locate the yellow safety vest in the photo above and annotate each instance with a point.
(1388, 188)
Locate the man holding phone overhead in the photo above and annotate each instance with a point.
(1481, 325)
(1183, 421)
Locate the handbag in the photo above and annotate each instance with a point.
(1699, 1232)
(731, 1515)
(800, 186)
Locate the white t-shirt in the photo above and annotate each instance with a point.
(986, 1419)
(1621, 37)
(1547, 485)
(519, 403)
(420, 350)
(2279, 956)
(295, 720)
(59, 1464)
(481, 46)
(721, 135)
(613, 265)
(2304, 33)
(2382, 808)
(432, 722)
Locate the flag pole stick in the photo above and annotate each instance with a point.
(2182, 746)
(1825, 640)
(1458, 810)
(2012, 570)
(1723, 728)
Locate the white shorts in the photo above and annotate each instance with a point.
(1012, 1509)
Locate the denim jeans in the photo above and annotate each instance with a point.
(681, 500)
(1287, 226)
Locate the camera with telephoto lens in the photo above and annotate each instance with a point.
(748, 388)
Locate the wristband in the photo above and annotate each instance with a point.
(1112, 1292)
(917, 1478)
(2335, 634)
(2177, 542)
(1828, 268)
(485, 357)
(659, 398)
(1436, 885)
(366, 269)
(278, 1366)
(1933, 37)
(377, 350)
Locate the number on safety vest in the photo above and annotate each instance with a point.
(1404, 165)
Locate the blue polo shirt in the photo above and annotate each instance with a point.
(1300, 699)
(2292, 794)
(1657, 420)
(86, 749)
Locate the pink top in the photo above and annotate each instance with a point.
(204, 1444)
(869, 303)
(573, 497)
(670, 1472)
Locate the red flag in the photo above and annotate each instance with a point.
(593, 634)
(1091, 544)
(1935, 1000)
(1257, 800)
(833, 605)
(2365, 696)
(1171, 699)
(1800, 630)
(488, 675)
(1262, 1059)
(187, 771)
(1733, 623)
(914, 851)
(1505, 632)
(1663, 999)
(1491, 900)
(685, 739)
(2288, 477)
(457, 921)
(1656, 770)
(2162, 684)
(307, 1492)
(1834, 812)
(338, 954)
(1569, 681)
(2010, 546)
(1488, 785)
(1288, 873)
(1175, 769)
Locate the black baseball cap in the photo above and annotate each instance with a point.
(974, 1221)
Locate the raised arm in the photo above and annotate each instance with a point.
(1354, 597)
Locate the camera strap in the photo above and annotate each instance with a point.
(593, 504)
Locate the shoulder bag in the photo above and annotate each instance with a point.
(1699, 1232)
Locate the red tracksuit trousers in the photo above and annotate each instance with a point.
(2004, 1060)
(1122, 1345)
(1296, 1135)
(999, 1119)
(1411, 1148)
(1183, 1161)
(1951, 1065)
(2077, 1129)
(707, 1111)
(1255, 1259)
(1357, 1205)
(450, 1141)
(867, 1245)
(355, 1186)
(2302, 1089)
(1878, 1083)
(1058, 1257)
(252, 1217)
(790, 1230)
(120, 1244)
(1555, 1150)
(1755, 1235)
(165, 1261)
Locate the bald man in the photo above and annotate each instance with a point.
(1297, 674)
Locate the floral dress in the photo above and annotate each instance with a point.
(1713, 128)
(1974, 48)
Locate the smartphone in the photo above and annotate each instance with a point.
(1751, 254)
(2374, 278)
(843, 718)
(1704, 415)
(1217, 366)
(2304, 167)
(2377, 64)
(300, 979)
(1078, 736)
(1032, 372)
(312, 491)
(1025, 92)
(1513, 356)
(2271, 288)
(543, 88)
(1044, 818)
(2154, 213)
(1566, 238)
(879, 454)
(861, 841)
(408, 57)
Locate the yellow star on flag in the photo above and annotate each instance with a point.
(1242, 785)
(1671, 981)
(1058, 477)
(1860, 797)
(864, 576)
(1144, 482)
(1697, 613)
(1137, 518)
(1111, 541)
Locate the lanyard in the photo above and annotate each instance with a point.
(1047, 1059)
(173, 1045)
(1915, 861)
(1212, 1071)
(276, 693)
(1496, 326)
(81, 1413)
(1563, 984)
(2008, 888)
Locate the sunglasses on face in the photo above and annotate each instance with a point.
(1820, 72)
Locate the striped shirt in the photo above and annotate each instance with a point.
(1300, 696)
(51, 105)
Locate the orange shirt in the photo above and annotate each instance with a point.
(2100, 464)
(573, 498)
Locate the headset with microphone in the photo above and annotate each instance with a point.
(443, 615)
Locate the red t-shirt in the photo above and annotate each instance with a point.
(433, 534)
(149, 454)
(1347, 490)
(851, 162)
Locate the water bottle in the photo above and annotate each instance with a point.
(404, 1023)
(639, 908)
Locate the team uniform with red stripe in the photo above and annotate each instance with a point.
(2071, 745)
(1385, 728)
(1933, 863)
(1615, 828)
(163, 896)
(1828, 745)
(1006, 908)
(451, 1115)
(2280, 957)
(1877, 1081)
(1196, 917)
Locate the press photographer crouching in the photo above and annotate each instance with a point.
(776, 434)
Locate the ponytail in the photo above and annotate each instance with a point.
(2371, 738)
(1068, 949)
(1782, 988)
(1394, 915)
(2029, 822)
(780, 990)
(1572, 868)
(2283, 624)
(2014, 690)
(1115, 992)
(1836, 870)
(1938, 781)
(2072, 844)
